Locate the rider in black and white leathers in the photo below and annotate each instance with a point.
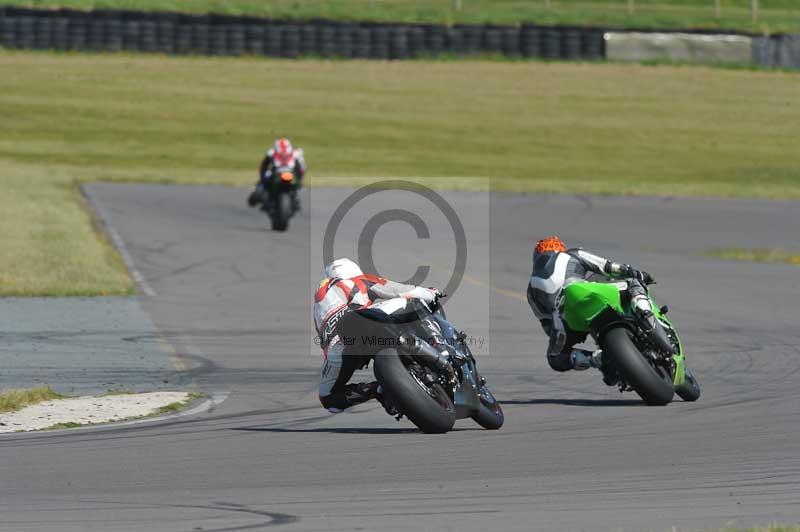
(554, 270)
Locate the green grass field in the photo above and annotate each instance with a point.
(553, 127)
(775, 15)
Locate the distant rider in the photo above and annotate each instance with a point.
(344, 289)
(555, 267)
(281, 155)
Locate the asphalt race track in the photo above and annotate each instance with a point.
(234, 299)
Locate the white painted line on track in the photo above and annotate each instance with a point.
(116, 240)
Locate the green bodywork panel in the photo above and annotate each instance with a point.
(583, 301)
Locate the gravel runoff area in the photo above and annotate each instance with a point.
(88, 410)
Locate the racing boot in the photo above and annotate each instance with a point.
(640, 302)
(583, 359)
(385, 402)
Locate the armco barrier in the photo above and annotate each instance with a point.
(172, 33)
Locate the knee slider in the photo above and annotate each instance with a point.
(560, 362)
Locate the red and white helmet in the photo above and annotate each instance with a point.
(283, 152)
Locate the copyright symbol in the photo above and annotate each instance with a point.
(366, 238)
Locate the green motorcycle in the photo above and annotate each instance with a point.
(649, 362)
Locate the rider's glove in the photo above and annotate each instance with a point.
(437, 294)
(629, 272)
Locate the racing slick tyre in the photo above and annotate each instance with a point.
(653, 387)
(489, 415)
(427, 406)
(690, 389)
(283, 209)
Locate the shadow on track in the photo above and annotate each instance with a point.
(343, 430)
(577, 402)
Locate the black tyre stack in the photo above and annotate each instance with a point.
(493, 40)
(272, 40)
(95, 34)
(201, 30)
(290, 41)
(23, 32)
(170, 33)
(148, 35)
(472, 38)
(60, 32)
(530, 40)
(165, 35)
(217, 36)
(131, 34)
(7, 31)
(511, 42)
(379, 42)
(254, 39)
(435, 39)
(113, 35)
(362, 42)
(183, 35)
(398, 42)
(43, 33)
(235, 38)
(594, 44)
(76, 32)
(416, 41)
(551, 43)
(326, 40)
(344, 41)
(308, 40)
(572, 46)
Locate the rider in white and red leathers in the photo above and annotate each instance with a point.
(281, 155)
(346, 288)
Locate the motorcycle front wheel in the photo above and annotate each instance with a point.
(490, 414)
(281, 212)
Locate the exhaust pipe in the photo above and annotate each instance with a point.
(424, 351)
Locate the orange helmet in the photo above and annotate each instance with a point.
(549, 244)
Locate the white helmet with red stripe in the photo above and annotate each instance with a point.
(343, 269)
(283, 152)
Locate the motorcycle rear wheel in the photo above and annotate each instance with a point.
(655, 388)
(428, 407)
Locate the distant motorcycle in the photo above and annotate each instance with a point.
(277, 195)
(651, 363)
(431, 388)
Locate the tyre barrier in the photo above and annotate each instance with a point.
(344, 40)
(171, 33)
(531, 41)
(362, 43)
(272, 41)
(290, 41)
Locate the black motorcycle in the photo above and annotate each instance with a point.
(431, 386)
(277, 195)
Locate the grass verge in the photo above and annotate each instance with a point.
(172, 408)
(774, 15)
(13, 400)
(531, 127)
(756, 255)
(177, 406)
